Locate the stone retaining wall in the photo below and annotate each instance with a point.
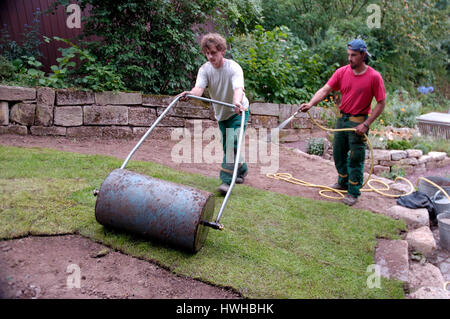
(66, 112)
(409, 160)
(72, 113)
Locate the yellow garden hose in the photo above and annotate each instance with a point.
(323, 189)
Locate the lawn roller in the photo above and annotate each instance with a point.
(166, 212)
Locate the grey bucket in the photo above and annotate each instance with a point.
(429, 189)
(444, 229)
(441, 202)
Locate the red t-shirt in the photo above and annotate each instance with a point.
(357, 90)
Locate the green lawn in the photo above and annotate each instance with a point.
(273, 245)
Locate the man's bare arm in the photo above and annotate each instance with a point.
(319, 96)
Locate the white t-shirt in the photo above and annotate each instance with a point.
(221, 84)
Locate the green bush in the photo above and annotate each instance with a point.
(398, 145)
(89, 74)
(394, 173)
(429, 143)
(6, 69)
(278, 67)
(400, 110)
(377, 142)
(425, 148)
(27, 71)
(153, 45)
(409, 31)
(316, 146)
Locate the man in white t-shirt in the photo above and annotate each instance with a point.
(224, 80)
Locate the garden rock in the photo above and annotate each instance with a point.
(430, 293)
(118, 98)
(424, 275)
(69, 116)
(105, 115)
(414, 153)
(264, 121)
(437, 156)
(14, 129)
(400, 187)
(48, 131)
(265, 109)
(4, 113)
(424, 159)
(85, 131)
(422, 240)
(44, 115)
(15, 93)
(23, 113)
(381, 155)
(46, 96)
(398, 155)
(140, 116)
(72, 97)
(414, 218)
(392, 257)
(117, 132)
(378, 169)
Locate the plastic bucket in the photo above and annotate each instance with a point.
(429, 189)
(444, 229)
(441, 202)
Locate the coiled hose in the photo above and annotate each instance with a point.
(339, 194)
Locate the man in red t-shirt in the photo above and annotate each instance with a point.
(358, 84)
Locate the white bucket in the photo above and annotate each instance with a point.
(444, 229)
(441, 202)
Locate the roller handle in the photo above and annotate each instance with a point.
(214, 225)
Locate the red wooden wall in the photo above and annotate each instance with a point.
(16, 13)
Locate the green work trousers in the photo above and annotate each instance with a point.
(349, 151)
(230, 134)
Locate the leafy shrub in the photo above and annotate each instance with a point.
(394, 173)
(430, 143)
(398, 145)
(316, 146)
(27, 71)
(409, 31)
(425, 148)
(90, 74)
(377, 142)
(6, 69)
(400, 110)
(278, 67)
(152, 45)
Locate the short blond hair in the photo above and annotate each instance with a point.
(214, 39)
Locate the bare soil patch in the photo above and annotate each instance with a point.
(46, 267)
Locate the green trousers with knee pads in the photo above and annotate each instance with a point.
(230, 135)
(349, 151)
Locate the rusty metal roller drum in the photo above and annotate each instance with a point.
(166, 212)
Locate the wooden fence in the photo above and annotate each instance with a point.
(15, 14)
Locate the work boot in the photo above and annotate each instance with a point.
(240, 179)
(350, 200)
(223, 189)
(338, 187)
